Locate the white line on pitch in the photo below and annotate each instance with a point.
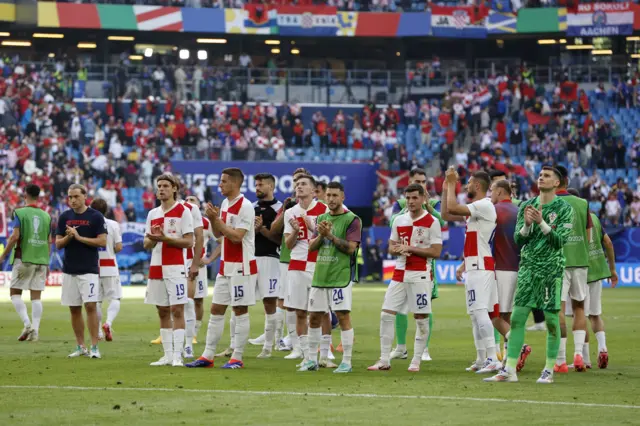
(325, 394)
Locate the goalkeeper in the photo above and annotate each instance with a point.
(543, 227)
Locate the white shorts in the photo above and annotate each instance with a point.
(593, 301)
(282, 285)
(80, 289)
(481, 290)
(202, 284)
(110, 288)
(268, 277)
(28, 276)
(405, 297)
(238, 290)
(298, 289)
(335, 299)
(507, 282)
(166, 292)
(574, 284)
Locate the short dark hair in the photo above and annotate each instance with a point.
(82, 188)
(234, 173)
(504, 184)
(554, 171)
(322, 184)
(311, 179)
(414, 187)
(564, 174)
(573, 191)
(335, 185)
(265, 176)
(32, 190)
(483, 178)
(417, 171)
(497, 173)
(100, 205)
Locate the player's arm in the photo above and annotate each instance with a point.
(184, 242)
(449, 193)
(589, 224)
(316, 243)
(274, 232)
(197, 249)
(395, 247)
(11, 242)
(99, 228)
(118, 246)
(291, 231)
(220, 229)
(435, 244)
(62, 237)
(611, 258)
(246, 221)
(522, 234)
(558, 237)
(99, 241)
(396, 208)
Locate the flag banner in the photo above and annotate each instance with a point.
(535, 118)
(502, 23)
(261, 17)
(347, 23)
(601, 20)
(158, 18)
(307, 20)
(459, 21)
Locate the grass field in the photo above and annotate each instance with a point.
(39, 385)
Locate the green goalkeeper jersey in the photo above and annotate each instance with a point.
(542, 259)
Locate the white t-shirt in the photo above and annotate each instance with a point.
(301, 258)
(196, 215)
(478, 238)
(107, 255)
(238, 258)
(421, 233)
(168, 261)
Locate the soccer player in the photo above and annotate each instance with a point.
(81, 232)
(498, 175)
(480, 285)
(236, 281)
(574, 285)
(30, 259)
(602, 266)
(418, 176)
(202, 284)
(544, 226)
(299, 227)
(339, 235)
(193, 263)
(321, 191)
(415, 239)
(110, 287)
(267, 257)
(169, 230)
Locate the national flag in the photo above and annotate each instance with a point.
(601, 20)
(237, 21)
(347, 23)
(459, 21)
(158, 18)
(501, 23)
(260, 17)
(534, 118)
(483, 97)
(307, 20)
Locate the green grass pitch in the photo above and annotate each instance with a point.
(40, 386)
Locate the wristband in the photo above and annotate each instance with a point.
(525, 230)
(544, 227)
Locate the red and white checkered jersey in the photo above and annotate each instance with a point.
(168, 261)
(420, 233)
(301, 258)
(238, 258)
(196, 215)
(107, 255)
(481, 227)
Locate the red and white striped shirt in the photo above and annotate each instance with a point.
(196, 215)
(420, 233)
(301, 258)
(107, 255)
(481, 226)
(238, 258)
(168, 261)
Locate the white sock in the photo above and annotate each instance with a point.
(197, 327)
(99, 313)
(36, 314)
(279, 324)
(178, 343)
(269, 331)
(586, 356)
(401, 348)
(232, 330)
(347, 345)
(304, 347)
(481, 353)
(485, 332)
(325, 346)
(190, 322)
(387, 331)
(291, 326)
(422, 332)
(112, 311)
(214, 333)
(241, 336)
(167, 342)
(578, 341)
(562, 352)
(602, 341)
(315, 337)
(21, 309)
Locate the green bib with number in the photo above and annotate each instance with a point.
(575, 250)
(335, 269)
(598, 265)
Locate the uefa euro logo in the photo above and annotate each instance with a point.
(36, 224)
(599, 18)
